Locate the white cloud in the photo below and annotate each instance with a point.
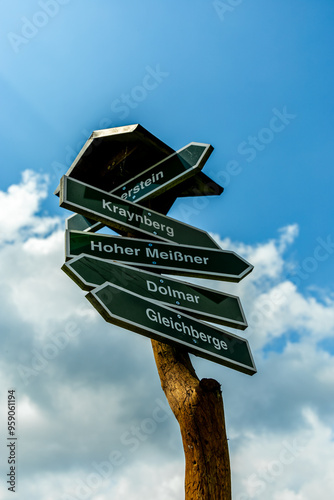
(273, 304)
(93, 386)
(267, 258)
(36, 286)
(287, 495)
(286, 465)
(162, 482)
(19, 205)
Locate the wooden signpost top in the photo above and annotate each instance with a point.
(113, 156)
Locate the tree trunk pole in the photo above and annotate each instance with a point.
(198, 408)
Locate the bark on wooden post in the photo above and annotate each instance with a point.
(198, 408)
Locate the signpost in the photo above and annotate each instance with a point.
(116, 169)
(159, 322)
(210, 305)
(182, 260)
(126, 217)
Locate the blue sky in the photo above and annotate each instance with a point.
(225, 76)
(255, 80)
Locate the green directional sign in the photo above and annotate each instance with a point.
(156, 180)
(129, 310)
(126, 217)
(162, 257)
(203, 303)
(167, 173)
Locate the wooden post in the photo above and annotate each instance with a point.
(198, 408)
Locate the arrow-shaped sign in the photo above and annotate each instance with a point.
(129, 310)
(126, 217)
(183, 260)
(217, 307)
(167, 173)
(164, 175)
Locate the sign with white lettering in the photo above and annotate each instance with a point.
(114, 157)
(198, 185)
(140, 315)
(126, 217)
(183, 260)
(203, 303)
(167, 173)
